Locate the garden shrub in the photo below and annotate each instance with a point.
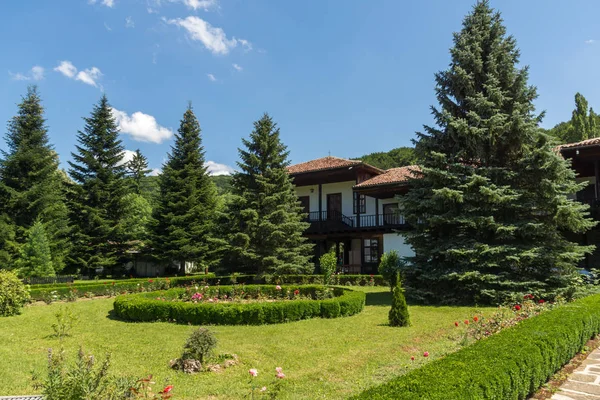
(13, 294)
(509, 365)
(398, 315)
(150, 306)
(199, 345)
(390, 266)
(328, 264)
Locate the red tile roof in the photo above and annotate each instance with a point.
(583, 143)
(321, 164)
(391, 176)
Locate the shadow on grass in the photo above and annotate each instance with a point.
(379, 299)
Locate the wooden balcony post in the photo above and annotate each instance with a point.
(320, 202)
(377, 212)
(597, 176)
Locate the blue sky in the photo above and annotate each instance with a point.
(347, 77)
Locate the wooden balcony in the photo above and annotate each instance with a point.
(330, 222)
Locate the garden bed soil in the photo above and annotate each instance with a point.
(553, 385)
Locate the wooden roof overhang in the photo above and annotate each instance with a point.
(333, 175)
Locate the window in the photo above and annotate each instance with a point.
(360, 203)
(371, 250)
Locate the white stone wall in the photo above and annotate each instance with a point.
(395, 241)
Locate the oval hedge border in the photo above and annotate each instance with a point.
(144, 307)
(512, 364)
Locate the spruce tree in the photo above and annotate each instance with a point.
(489, 206)
(97, 192)
(398, 315)
(35, 260)
(184, 215)
(31, 186)
(8, 246)
(267, 220)
(137, 169)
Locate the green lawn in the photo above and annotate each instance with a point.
(322, 358)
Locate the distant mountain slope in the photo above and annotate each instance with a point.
(398, 157)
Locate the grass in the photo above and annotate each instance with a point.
(322, 358)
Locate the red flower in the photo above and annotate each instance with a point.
(518, 307)
(296, 292)
(542, 301)
(426, 354)
(456, 323)
(412, 358)
(466, 322)
(106, 283)
(167, 389)
(113, 284)
(150, 281)
(475, 319)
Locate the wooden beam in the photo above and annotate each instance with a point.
(597, 176)
(320, 202)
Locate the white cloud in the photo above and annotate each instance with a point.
(237, 67)
(214, 168)
(129, 23)
(151, 10)
(211, 77)
(141, 127)
(108, 28)
(66, 68)
(590, 41)
(89, 76)
(214, 39)
(107, 3)
(127, 156)
(206, 5)
(155, 172)
(36, 74)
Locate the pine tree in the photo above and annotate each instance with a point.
(188, 197)
(31, 187)
(267, 221)
(489, 206)
(398, 315)
(137, 169)
(35, 260)
(97, 192)
(8, 246)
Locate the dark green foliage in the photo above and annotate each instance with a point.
(137, 169)
(328, 264)
(263, 221)
(509, 365)
(398, 157)
(35, 260)
(145, 307)
(31, 186)
(390, 266)
(13, 294)
(8, 245)
(185, 211)
(398, 315)
(490, 205)
(199, 345)
(97, 192)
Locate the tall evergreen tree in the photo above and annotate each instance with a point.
(31, 187)
(35, 257)
(184, 214)
(97, 192)
(265, 214)
(489, 204)
(137, 169)
(8, 246)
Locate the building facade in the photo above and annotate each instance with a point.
(353, 207)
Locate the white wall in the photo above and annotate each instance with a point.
(345, 188)
(314, 196)
(395, 241)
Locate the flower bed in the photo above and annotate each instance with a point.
(239, 305)
(508, 365)
(54, 292)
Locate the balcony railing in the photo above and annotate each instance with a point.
(327, 221)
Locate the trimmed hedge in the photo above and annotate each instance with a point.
(145, 307)
(509, 365)
(41, 292)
